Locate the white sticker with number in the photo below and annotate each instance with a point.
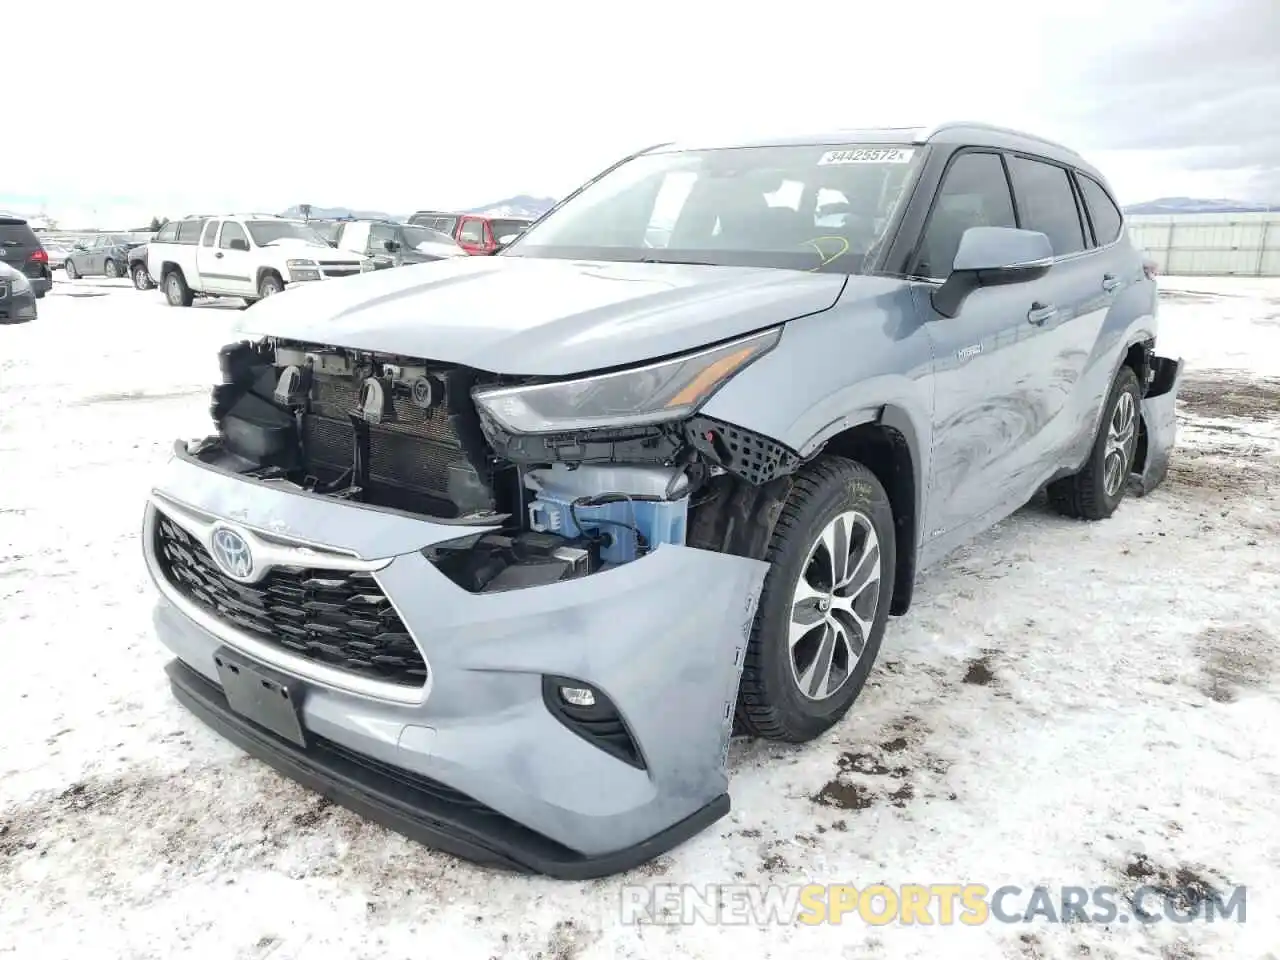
(867, 155)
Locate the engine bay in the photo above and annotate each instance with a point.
(405, 433)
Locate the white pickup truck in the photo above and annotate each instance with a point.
(251, 256)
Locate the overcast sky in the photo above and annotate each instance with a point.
(184, 107)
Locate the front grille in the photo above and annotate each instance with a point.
(337, 618)
(338, 269)
(4, 290)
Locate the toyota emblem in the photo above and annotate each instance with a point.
(232, 554)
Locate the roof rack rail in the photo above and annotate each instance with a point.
(996, 128)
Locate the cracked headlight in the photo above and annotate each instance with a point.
(657, 392)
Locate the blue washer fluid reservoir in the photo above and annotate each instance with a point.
(614, 502)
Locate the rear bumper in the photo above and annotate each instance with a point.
(417, 807)
(1159, 430)
(41, 285)
(662, 637)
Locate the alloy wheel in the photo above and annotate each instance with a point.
(834, 605)
(1122, 438)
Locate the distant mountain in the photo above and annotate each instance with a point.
(522, 206)
(1192, 205)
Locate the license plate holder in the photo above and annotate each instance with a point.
(262, 696)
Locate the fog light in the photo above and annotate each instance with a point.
(578, 696)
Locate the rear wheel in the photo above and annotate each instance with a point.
(70, 268)
(1094, 492)
(176, 290)
(111, 269)
(824, 606)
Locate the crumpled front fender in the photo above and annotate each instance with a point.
(1159, 428)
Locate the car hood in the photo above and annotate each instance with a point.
(519, 315)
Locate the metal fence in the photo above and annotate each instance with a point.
(1211, 244)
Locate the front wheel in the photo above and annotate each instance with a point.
(269, 286)
(824, 606)
(112, 270)
(1094, 492)
(141, 278)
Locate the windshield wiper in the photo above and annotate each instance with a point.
(678, 263)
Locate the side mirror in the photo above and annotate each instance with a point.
(991, 256)
(391, 246)
(239, 244)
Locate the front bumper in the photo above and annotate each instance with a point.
(661, 637)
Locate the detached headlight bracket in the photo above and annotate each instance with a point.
(748, 455)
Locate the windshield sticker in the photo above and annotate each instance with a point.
(867, 155)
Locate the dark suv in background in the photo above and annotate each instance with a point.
(20, 249)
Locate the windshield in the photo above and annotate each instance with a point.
(795, 207)
(268, 231)
(416, 235)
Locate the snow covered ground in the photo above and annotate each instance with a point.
(1066, 704)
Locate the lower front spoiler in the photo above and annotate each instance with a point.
(416, 807)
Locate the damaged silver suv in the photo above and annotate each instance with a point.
(499, 551)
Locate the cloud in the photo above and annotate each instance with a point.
(406, 105)
(1201, 85)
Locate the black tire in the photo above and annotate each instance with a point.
(771, 703)
(141, 278)
(176, 291)
(70, 269)
(269, 285)
(112, 270)
(1086, 494)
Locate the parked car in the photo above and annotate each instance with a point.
(391, 244)
(20, 249)
(252, 256)
(17, 296)
(499, 552)
(56, 252)
(474, 233)
(106, 255)
(138, 272)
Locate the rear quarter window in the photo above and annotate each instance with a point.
(189, 231)
(1103, 212)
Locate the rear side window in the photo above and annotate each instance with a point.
(1102, 211)
(1047, 203)
(209, 234)
(974, 193)
(168, 233)
(189, 231)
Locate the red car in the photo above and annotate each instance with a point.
(475, 233)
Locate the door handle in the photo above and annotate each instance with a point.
(1110, 282)
(218, 255)
(1040, 313)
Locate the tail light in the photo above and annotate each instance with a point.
(40, 256)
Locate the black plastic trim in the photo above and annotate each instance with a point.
(420, 809)
(601, 725)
